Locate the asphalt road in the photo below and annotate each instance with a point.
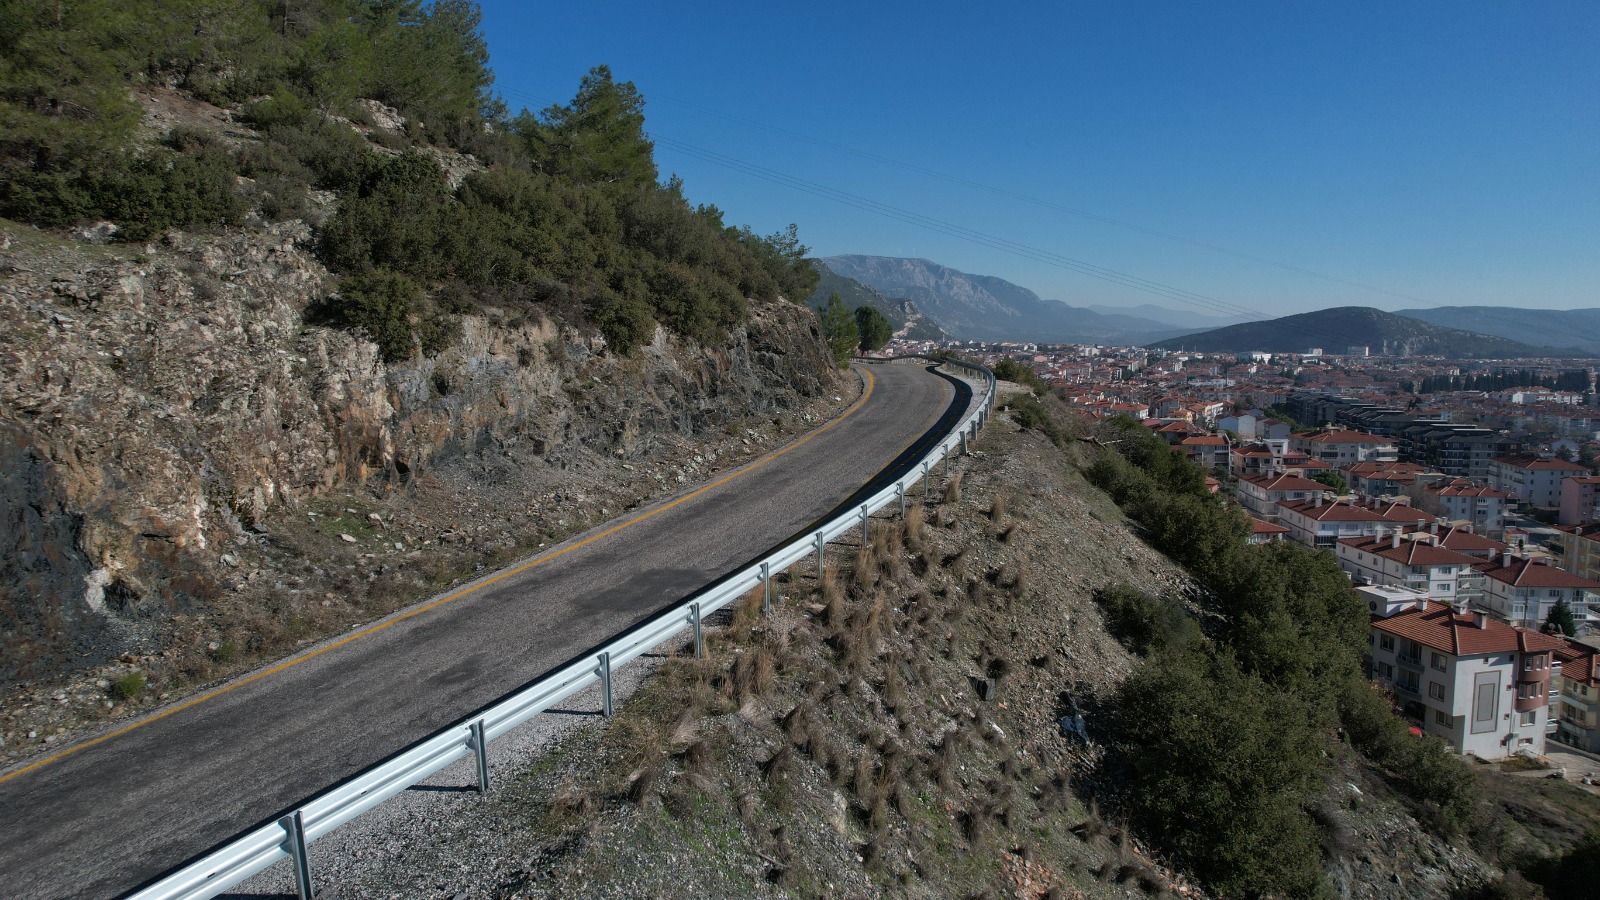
(102, 820)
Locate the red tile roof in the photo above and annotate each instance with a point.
(1539, 463)
(1465, 489)
(1443, 629)
(1410, 553)
(1464, 541)
(1284, 483)
(1204, 440)
(1581, 666)
(1350, 512)
(1525, 572)
(1261, 526)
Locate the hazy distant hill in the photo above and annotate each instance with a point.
(983, 307)
(1175, 319)
(904, 315)
(1569, 327)
(1336, 330)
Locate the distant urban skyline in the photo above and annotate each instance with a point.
(1440, 157)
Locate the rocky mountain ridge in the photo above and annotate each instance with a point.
(985, 307)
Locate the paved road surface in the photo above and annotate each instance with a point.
(100, 821)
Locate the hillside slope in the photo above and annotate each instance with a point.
(843, 746)
(1578, 328)
(1335, 330)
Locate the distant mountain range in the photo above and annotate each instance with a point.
(983, 307)
(904, 315)
(1336, 330)
(1570, 327)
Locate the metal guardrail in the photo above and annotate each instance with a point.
(288, 837)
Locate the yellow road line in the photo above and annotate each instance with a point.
(866, 393)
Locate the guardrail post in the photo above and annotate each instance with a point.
(480, 751)
(900, 494)
(926, 469)
(296, 828)
(766, 588)
(604, 671)
(963, 441)
(866, 517)
(699, 642)
(820, 544)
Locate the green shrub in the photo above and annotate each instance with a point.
(128, 686)
(1145, 624)
(390, 309)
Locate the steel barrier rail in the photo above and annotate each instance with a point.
(288, 837)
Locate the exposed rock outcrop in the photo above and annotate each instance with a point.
(161, 408)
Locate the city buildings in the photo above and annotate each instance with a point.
(1532, 479)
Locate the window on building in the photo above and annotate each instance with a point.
(1444, 718)
(1438, 661)
(1529, 690)
(1386, 642)
(1386, 670)
(1527, 718)
(1435, 690)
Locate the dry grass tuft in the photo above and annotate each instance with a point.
(643, 782)
(777, 765)
(752, 674)
(916, 519)
(747, 610)
(952, 488)
(998, 507)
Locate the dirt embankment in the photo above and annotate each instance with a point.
(196, 480)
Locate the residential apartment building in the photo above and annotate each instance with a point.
(1412, 561)
(1209, 451)
(1481, 685)
(1263, 532)
(1577, 549)
(1522, 591)
(1339, 447)
(1261, 494)
(1532, 479)
(1462, 500)
(1317, 523)
(1579, 494)
(1575, 703)
(1386, 479)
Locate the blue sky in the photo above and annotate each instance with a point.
(1438, 153)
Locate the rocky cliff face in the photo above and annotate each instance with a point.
(169, 427)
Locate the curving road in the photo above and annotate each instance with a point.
(102, 818)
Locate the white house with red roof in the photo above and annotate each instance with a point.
(1341, 447)
(1319, 523)
(1532, 479)
(1461, 500)
(1412, 561)
(1264, 532)
(1377, 479)
(1522, 591)
(1481, 685)
(1261, 494)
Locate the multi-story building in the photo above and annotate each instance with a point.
(1317, 523)
(1576, 699)
(1522, 591)
(1577, 549)
(1264, 532)
(1481, 685)
(1339, 447)
(1579, 494)
(1412, 561)
(1209, 451)
(1261, 494)
(1462, 500)
(1386, 479)
(1532, 479)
